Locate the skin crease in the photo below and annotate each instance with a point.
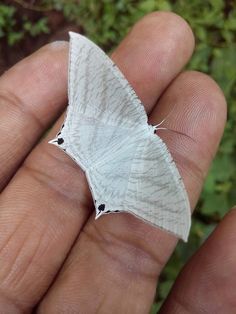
(54, 258)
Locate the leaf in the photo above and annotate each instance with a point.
(222, 167)
(215, 204)
(155, 308)
(37, 28)
(147, 6)
(223, 67)
(14, 37)
(201, 57)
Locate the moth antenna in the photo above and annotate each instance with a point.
(165, 117)
(160, 122)
(181, 133)
(156, 127)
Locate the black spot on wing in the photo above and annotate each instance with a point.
(101, 207)
(60, 141)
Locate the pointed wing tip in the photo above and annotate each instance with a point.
(53, 142)
(73, 35)
(98, 214)
(185, 234)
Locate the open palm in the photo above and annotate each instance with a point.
(54, 257)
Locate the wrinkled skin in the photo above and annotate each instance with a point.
(54, 257)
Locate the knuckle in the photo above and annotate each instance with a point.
(124, 252)
(17, 109)
(47, 166)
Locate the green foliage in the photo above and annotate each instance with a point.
(37, 28)
(14, 27)
(214, 25)
(7, 24)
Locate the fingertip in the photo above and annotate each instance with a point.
(198, 109)
(153, 53)
(201, 108)
(176, 26)
(205, 104)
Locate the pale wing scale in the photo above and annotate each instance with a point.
(156, 191)
(98, 89)
(106, 132)
(142, 179)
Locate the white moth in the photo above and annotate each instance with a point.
(128, 167)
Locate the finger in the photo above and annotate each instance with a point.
(32, 94)
(51, 194)
(207, 284)
(153, 53)
(119, 257)
(196, 108)
(42, 211)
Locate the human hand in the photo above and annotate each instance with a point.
(54, 257)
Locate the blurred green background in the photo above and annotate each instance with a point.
(26, 25)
